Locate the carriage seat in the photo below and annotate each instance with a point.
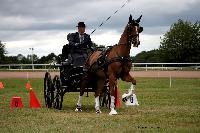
(66, 50)
(73, 56)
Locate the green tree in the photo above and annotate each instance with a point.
(2, 53)
(20, 57)
(35, 58)
(147, 57)
(98, 47)
(47, 59)
(181, 43)
(11, 60)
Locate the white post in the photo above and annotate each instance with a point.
(158, 74)
(32, 57)
(27, 75)
(146, 67)
(170, 81)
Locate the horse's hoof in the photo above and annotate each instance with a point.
(98, 111)
(124, 99)
(78, 109)
(113, 112)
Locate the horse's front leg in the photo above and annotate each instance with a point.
(128, 78)
(112, 80)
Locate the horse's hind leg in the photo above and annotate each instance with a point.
(100, 85)
(61, 102)
(83, 85)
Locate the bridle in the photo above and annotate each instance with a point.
(132, 39)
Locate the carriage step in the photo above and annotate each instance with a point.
(74, 75)
(64, 86)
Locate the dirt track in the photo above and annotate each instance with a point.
(181, 74)
(177, 74)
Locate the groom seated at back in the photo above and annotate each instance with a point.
(79, 41)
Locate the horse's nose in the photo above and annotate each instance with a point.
(136, 43)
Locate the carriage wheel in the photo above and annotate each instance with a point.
(58, 93)
(48, 92)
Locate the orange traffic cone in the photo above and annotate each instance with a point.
(1, 85)
(28, 85)
(117, 99)
(34, 103)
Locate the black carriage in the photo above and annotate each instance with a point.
(71, 66)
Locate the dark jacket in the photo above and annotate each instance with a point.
(73, 39)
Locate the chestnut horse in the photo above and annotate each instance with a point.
(118, 65)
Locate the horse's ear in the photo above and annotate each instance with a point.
(130, 19)
(133, 21)
(138, 20)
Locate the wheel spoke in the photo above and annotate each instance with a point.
(57, 101)
(47, 90)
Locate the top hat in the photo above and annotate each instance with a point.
(81, 24)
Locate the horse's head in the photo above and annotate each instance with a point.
(133, 31)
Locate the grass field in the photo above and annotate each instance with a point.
(161, 109)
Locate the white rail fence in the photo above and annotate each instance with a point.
(166, 66)
(136, 66)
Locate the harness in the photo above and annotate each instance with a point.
(103, 62)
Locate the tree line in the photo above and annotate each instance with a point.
(180, 44)
(21, 59)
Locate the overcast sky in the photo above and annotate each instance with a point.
(44, 24)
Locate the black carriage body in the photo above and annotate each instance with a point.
(72, 68)
(70, 78)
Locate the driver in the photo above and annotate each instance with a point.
(80, 40)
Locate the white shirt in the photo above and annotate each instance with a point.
(81, 37)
